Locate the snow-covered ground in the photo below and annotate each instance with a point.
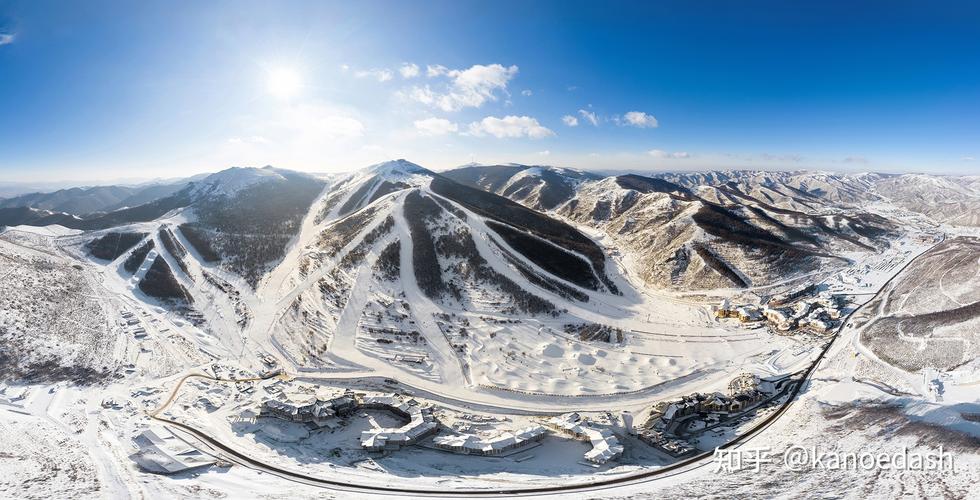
(466, 358)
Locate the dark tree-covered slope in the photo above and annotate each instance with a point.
(111, 245)
(159, 282)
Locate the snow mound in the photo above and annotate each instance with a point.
(552, 351)
(586, 359)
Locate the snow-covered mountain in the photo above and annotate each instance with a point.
(947, 199)
(387, 261)
(541, 188)
(518, 290)
(395, 250)
(376, 253)
(93, 200)
(683, 231)
(363, 262)
(703, 230)
(145, 204)
(953, 200)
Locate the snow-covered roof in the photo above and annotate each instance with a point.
(164, 453)
(420, 422)
(475, 444)
(605, 445)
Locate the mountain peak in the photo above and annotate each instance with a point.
(399, 166)
(234, 179)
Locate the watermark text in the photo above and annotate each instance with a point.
(803, 458)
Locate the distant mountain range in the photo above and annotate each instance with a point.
(93, 200)
(375, 260)
(685, 231)
(719, 229)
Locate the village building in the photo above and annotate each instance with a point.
(323, 412)
(742, 402)
(662, 428)
(161, 452)
(785, 298)
(605, 444)
(724, 310)
(788, 312)
(716, 402)
(661, 440)
(471, 444)
(743, 383)
(309, 409)
(420, 424)
(779, 317)
(748, 314)
(627, 419)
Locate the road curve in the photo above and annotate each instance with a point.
(581, 487)
(243, 459)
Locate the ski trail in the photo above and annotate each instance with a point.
(443, 354)
(343, 343)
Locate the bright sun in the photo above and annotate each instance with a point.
(283, 82)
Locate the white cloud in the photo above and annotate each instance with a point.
(639, 119)
(967, 158)
(527, 93)
(469, 88)
(255, 139)
(409, 70)
(424, 95)
(435, 126)
(570, 120)
(659, 153)
(6, 38)
(335, 127)
(434, 70)
(856, 159)
(381, 75)
(544, 153)
(510, 127)
(590, 116)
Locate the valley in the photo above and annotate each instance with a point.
(493, 299)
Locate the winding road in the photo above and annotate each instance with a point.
(227, 452)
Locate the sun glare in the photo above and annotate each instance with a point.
(283, 82)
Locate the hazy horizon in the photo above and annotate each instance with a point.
(10, 188)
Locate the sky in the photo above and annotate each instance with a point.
(101, 90)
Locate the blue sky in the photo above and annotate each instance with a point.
(102, 90)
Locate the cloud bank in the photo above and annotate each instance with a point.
(639, 119)
(469, 88)
(510, 127)
(435, 127)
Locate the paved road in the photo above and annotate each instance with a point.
(594, 485)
